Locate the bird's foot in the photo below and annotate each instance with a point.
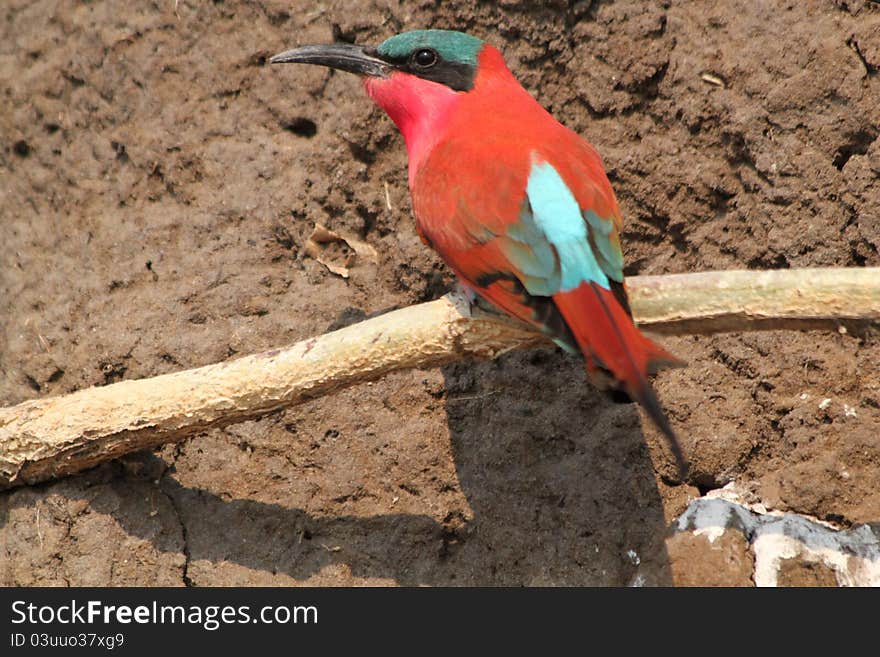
(475, 301)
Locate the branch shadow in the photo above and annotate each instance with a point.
(558, 480)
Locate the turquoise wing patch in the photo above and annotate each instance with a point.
(552, 243)
(609, 254)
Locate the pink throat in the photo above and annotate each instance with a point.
(420, 108)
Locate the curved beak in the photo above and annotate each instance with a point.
(341, 56)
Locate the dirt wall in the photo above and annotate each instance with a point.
(159, 181)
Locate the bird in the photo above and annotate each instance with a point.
(516, 204)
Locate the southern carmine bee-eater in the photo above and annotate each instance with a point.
(516, 204)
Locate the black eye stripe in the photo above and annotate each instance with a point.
(455, 75)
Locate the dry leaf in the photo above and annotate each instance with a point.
(354, 252)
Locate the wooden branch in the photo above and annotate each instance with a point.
(55, 436)
(724, 301)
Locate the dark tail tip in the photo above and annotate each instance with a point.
(648, 399)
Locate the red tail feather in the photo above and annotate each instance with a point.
(607, 336)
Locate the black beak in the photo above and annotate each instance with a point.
(342, 56)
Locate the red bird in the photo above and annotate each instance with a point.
(518, 205)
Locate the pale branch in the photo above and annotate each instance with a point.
(55, 436)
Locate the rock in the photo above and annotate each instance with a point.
(719, 542)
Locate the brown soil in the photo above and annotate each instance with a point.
(159, 182)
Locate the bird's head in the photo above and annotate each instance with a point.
(417, 77)
(440, 56)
